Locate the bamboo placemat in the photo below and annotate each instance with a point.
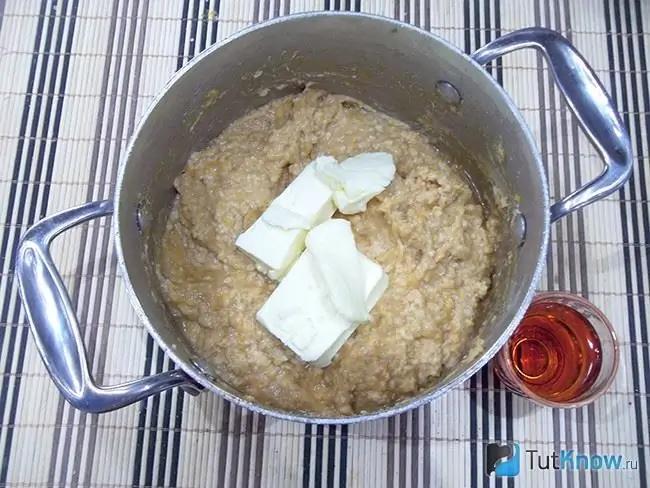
(75, 77)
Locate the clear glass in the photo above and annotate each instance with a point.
(504, 369)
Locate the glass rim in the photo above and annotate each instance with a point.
(590, 395)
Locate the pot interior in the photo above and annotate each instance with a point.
(392, 67)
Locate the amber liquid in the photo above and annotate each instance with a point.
(556, 352)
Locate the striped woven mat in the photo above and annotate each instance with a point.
(75, 76)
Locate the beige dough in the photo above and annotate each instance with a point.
(426, 231)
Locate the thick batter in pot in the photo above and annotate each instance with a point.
(426, 231)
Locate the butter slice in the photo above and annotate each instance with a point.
(357, 179)
(376, 283)
(277, 238)
(300, 313)
(337, 261)
(273, 249)
(305, 203)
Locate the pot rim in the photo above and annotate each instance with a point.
(404, 405)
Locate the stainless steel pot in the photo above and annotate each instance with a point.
(397, 68)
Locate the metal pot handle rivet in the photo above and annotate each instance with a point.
(449, 93)
(589, 102)
(55, 327)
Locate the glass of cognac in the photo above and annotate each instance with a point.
(564, 353)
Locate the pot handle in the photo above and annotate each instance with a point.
(55, 327)
(588, 101)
